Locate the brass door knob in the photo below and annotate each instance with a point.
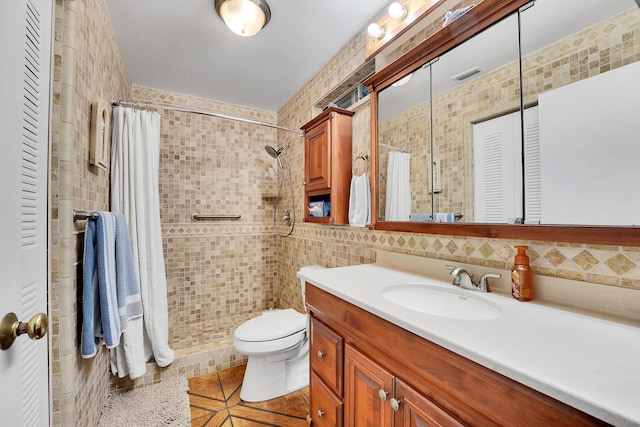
(11, 328)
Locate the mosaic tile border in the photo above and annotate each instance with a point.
(606, 265)
(186, 229)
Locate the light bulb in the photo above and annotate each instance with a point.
(403, 80)
(375, 31)
(397, 11)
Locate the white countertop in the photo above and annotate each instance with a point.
(586, 362)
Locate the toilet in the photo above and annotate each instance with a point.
(277, 345)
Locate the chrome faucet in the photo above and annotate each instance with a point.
(464, 279)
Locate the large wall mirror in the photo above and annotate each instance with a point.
(527, 128)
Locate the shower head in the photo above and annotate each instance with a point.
(273, 152)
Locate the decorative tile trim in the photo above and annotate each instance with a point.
(606, 265)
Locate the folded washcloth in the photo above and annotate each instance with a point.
(420, 217)
(445, 217)
(359, 201)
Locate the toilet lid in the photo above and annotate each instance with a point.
(272, 326)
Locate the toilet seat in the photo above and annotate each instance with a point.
(271, 332)
(271, 326)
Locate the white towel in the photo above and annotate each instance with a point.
(359, 201)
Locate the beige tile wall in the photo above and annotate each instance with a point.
(88, 66)
(215, 269)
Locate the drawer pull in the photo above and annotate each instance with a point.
(320, 354)
(320, 414)
(395, 404)
(383, 395)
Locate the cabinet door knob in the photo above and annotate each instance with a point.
(304, 182)
(383, 395)
(395, 404)
(320, 414)
(320, 354)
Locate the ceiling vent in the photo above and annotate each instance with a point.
(468, 74)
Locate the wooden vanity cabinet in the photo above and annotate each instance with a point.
(327, 164)
(394, 378)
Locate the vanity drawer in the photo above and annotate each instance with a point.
(326, 408)
(326, 355)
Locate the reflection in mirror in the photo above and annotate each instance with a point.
(576, 163)
(580, 73)
(481, 174)
(404, 147)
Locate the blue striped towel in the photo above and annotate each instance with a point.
(111, 292)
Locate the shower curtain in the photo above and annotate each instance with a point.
(135, 157)
(398, 203)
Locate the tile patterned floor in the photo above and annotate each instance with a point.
(215, 402)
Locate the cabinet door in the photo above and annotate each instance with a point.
(417, 411)
(365, 383)
(317, 173)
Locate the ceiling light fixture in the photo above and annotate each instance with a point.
(397, 11)
(244, 17)
(375, 31)
(399, 17)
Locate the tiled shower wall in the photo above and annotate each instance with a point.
(219, 272)
(607, 46)
(87, 66)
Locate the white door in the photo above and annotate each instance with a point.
(25, 41)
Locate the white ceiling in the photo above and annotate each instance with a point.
(183, 46)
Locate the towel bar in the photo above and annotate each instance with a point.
(198, 217)
(84, 215)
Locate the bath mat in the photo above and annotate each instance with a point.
(162, 404)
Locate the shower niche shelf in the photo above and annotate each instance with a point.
(327, 166)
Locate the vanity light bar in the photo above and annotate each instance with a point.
(400, 16)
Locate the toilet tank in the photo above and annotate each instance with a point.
(302, 270)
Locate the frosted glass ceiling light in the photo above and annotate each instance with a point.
(244, 17)
(375, 31)
(397, 11)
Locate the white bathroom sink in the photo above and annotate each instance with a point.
(441, 301)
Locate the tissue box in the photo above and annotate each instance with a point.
(319, 209)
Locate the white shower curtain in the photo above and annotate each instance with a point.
(398, 203)
(135, 157)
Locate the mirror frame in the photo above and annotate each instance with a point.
(486, 13)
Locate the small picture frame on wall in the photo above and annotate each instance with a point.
(100, 134)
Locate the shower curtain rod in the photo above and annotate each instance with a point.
(204, 113)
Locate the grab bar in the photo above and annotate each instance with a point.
(197, 217)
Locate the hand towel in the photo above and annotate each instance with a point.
(359, 201)
(127, 286)
(101, 319)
